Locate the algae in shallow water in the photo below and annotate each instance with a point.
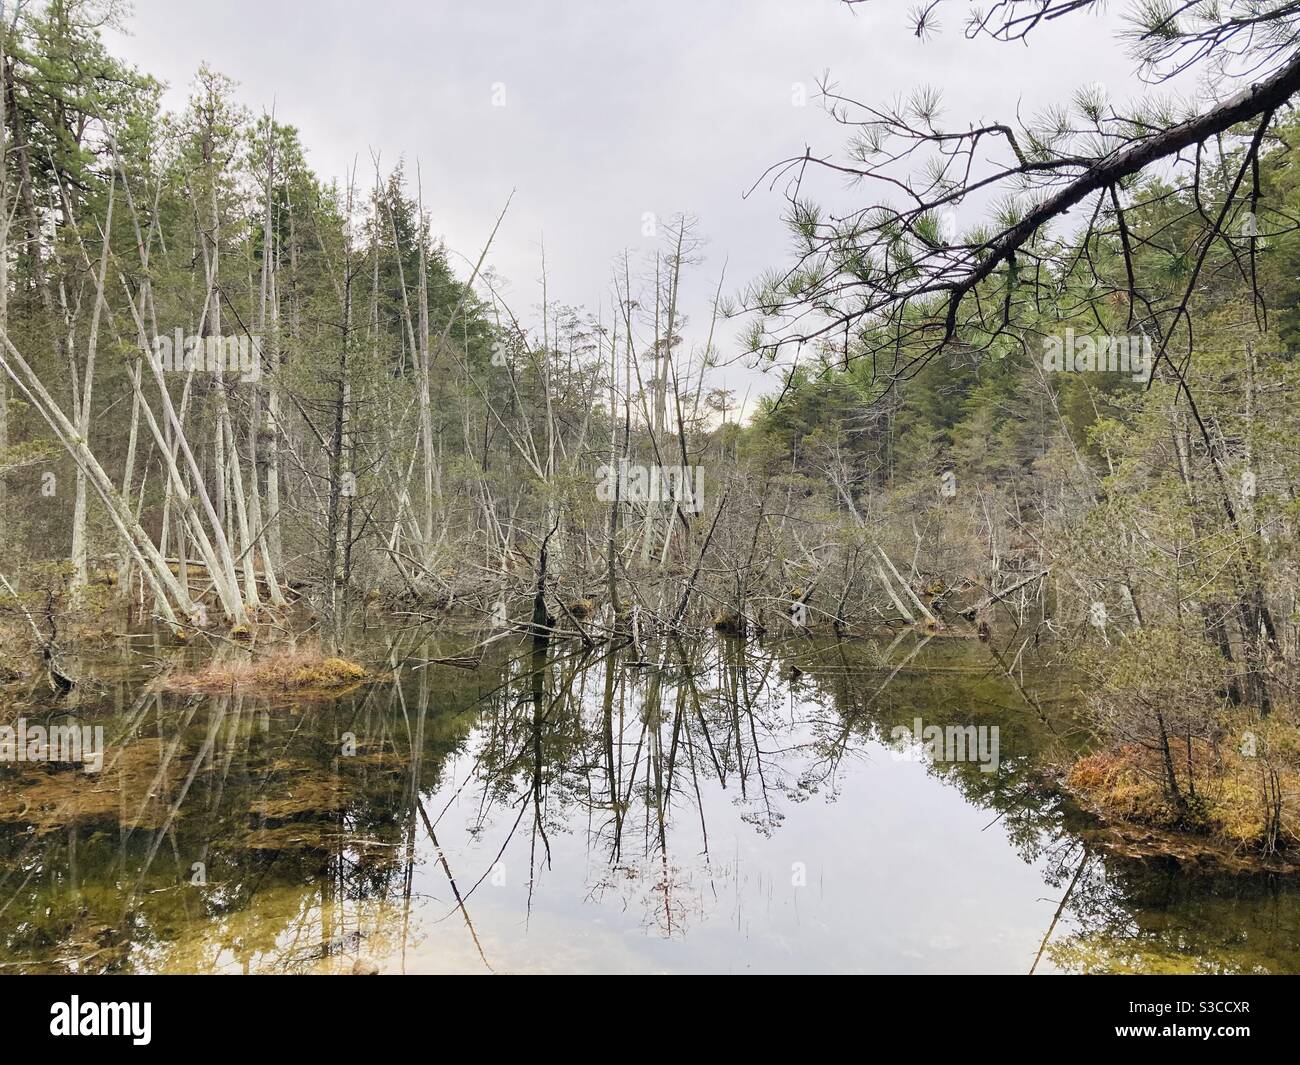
(131, 790)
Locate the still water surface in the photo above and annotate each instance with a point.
(718, 807)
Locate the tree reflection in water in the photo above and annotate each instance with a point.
(562, 806)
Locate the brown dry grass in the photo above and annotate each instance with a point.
(301, 671)
(1230, 801)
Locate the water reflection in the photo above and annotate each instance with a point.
(716, 807)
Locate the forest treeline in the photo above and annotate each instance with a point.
(241, 400)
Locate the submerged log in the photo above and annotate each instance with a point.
(60, 682)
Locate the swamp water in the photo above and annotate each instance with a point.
(723, 807)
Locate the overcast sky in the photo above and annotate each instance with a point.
(612, 109)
